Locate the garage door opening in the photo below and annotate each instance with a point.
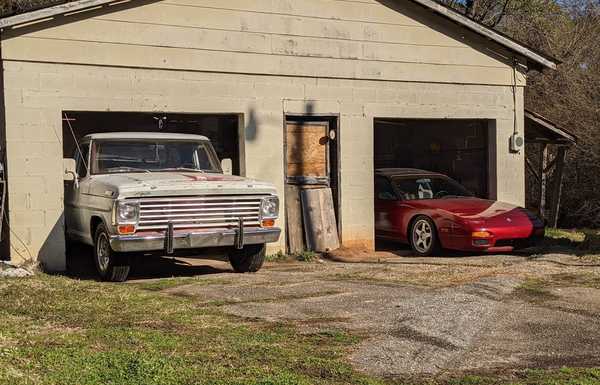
(457, 148)
(222, 130)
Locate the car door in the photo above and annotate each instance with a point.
(75, 205)
(385, 206)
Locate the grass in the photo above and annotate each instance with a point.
(582, 242)
(57, 330)
(61, 331)
(307, 256)
(540, 289)
(562, 376)
(573, 236)
(280, 256)
(534, 290)
(169, 283)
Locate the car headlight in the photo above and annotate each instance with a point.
(128, 212)
(269, 208)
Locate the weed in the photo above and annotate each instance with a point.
(307, 256)
(280, 256)
(534, 290)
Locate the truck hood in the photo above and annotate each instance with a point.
(137, 185)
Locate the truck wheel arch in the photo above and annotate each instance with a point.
(94, 223)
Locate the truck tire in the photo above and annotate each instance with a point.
(111, 266)
(249, 259)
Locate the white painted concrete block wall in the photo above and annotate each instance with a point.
(354, 59)
(37, 93)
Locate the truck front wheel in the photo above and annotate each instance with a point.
(111, 266)
(249, 259)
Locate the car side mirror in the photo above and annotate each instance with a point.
(227, 166)
(70, 171)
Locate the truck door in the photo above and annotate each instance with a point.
(75, 195)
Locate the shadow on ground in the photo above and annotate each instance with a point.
(80, 265)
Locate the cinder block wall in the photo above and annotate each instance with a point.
(358, 60)
(36, 95)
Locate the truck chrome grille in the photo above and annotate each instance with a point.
(199, 212)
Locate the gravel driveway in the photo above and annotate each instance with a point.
(422, 316)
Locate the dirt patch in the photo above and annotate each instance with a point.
(430, 315)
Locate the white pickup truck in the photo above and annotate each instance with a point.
(158, 193)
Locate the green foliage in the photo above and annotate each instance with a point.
(280, 256)
(567, 30)
(61, 331)
(539, 290)
(583, 242)
(307, 256)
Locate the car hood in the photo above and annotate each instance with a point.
(471, 208)
(137, 185)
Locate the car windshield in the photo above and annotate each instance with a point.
(419, 188)
(143, 156)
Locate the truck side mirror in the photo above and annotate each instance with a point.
(227, 166)
(70, 171)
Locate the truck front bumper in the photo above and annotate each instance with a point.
(156, 241)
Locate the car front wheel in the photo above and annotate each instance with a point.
(423, 237)
(249, 259)
(111, 266)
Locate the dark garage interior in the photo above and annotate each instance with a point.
(457, 148)
(222, 130)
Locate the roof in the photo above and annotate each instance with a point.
(392, 172)
(144, 135)
(539, 129)
(77, 7)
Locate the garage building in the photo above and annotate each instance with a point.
(404, 83)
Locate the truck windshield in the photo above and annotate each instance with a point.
(142, 156)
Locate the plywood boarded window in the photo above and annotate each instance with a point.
(307, 147)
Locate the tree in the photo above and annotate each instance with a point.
(9, 7)
(570, 96)
(488, 12)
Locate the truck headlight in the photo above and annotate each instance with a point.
(269, 208)
(128, 212)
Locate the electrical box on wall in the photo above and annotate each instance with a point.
(517, 142)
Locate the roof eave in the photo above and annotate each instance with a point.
(542, 121)
(54, 11)
(540, 61)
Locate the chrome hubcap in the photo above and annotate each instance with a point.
(422, 236)
(102, 252)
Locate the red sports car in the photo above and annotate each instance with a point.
(430, 212)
